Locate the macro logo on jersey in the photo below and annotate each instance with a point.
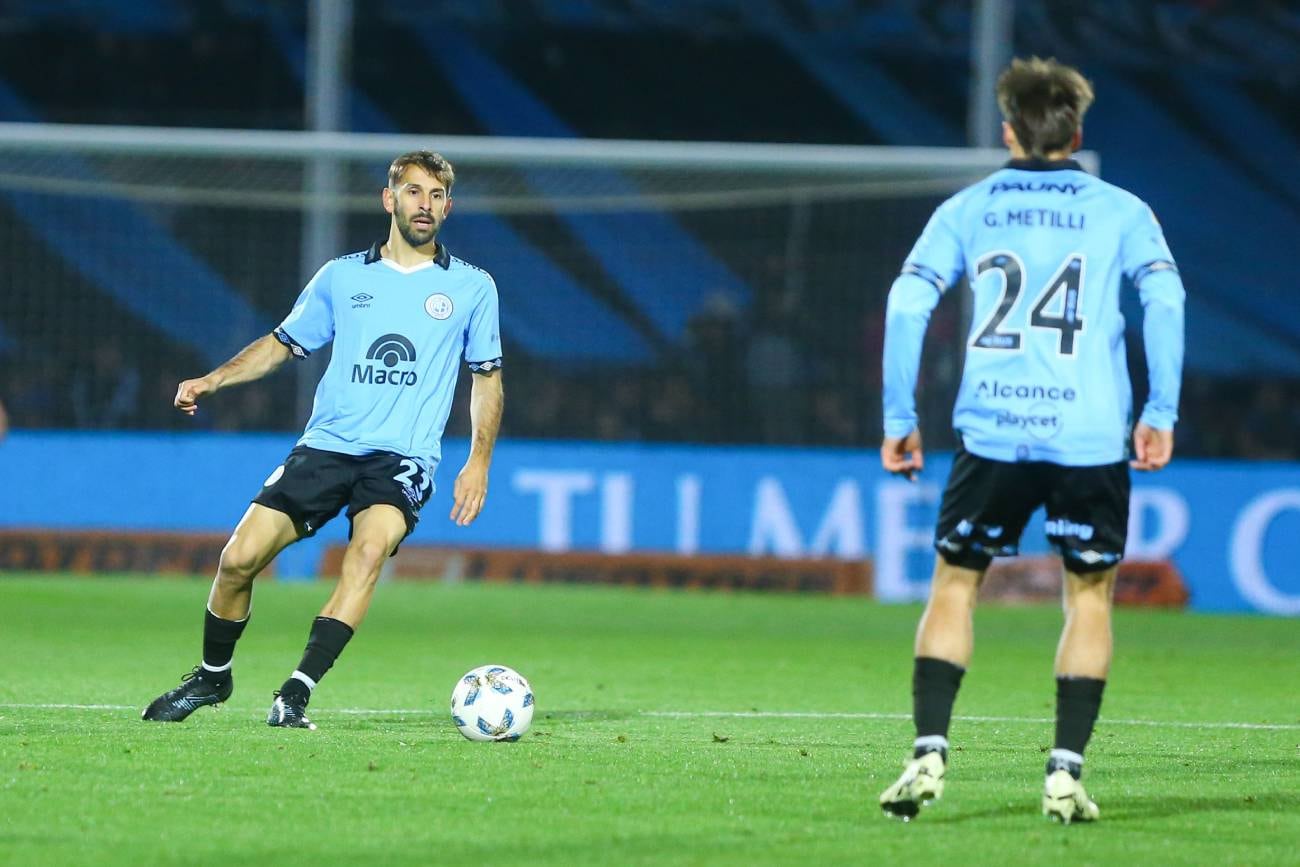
(389, 351)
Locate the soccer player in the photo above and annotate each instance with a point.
(400, 315)
(1043, 411)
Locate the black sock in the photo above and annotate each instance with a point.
(1078, 701)
(219, 637)
(327, 639)
(934, 689)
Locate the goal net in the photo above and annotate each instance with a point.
(649, 290)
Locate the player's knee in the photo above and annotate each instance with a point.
(366, 557)
(956, 584)
(238, 567)
(1090, 591)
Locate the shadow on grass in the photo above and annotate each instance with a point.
(1139, 809)
(941, 814)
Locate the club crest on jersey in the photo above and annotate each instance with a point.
(438, 306)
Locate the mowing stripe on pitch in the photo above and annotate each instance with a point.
(727, 714)
(1103, 721)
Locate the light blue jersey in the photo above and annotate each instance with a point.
(399, 334)
(1045, 248)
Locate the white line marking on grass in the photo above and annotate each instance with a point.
(728, 714)
(17, 705)
(359, 711)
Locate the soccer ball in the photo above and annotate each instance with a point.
(492, 703)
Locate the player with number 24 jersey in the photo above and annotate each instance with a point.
(1043, 412)
(1046, 248)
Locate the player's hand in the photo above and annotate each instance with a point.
(470, 492)
(189, 392)
(902, 455)
(1153, 448)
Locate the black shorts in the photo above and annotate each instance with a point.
(987, 504)
(313, 485)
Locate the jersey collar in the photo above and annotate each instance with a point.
(1038, 164)
(442, 257)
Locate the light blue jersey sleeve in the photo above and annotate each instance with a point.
(935, 263)
(310, 324)
(483, 333)
(1149, 264)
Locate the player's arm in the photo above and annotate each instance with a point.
(486, 403)
(1151, 266)
(935, 261)
(254, 361)
(309, 325)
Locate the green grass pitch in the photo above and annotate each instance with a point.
(672, 728)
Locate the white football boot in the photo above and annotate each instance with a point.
(1065, 801)
(921, 782)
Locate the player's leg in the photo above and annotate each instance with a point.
(944, 642)
(1082, 663)
(260, 535)
(296, 499)
(947, 627)
(376, 533)
(1088, 525)
(1086, 641)
(984, 510)
(386, 495)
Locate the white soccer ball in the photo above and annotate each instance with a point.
(492, 703)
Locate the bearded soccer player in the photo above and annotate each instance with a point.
(1043, 411)
(401, 316)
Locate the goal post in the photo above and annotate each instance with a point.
(749, 274)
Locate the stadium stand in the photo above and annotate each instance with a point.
(801, 350)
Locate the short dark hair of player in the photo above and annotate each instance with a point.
(1044, 102)
(434, 164)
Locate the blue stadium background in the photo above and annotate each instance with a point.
(1196, 112)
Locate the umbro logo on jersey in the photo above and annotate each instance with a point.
(362, 300)
(390, 351)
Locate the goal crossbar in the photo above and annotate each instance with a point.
(498, 150)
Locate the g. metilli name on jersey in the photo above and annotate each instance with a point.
(1035, 217)
(368, 374)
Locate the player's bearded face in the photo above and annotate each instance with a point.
(418, 221)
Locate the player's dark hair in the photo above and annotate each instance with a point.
(435, 164)
(1044, 102)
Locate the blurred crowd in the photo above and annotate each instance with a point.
(742, 380)
(779, 369)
